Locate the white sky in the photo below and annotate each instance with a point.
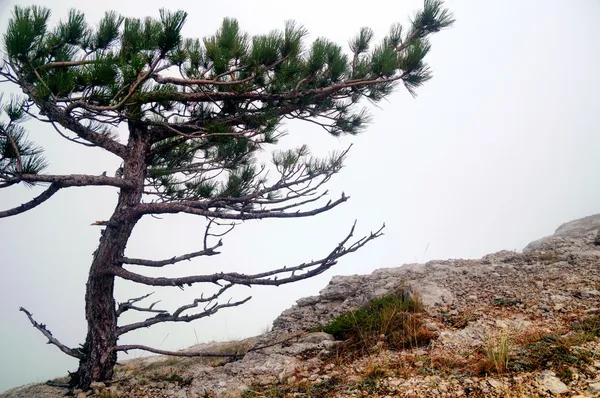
(498, 150)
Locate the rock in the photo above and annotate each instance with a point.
(497, 384)
(97, 387)
(97, 384)
(588, 293)
(431, 294)
(549, 382)
(464, 301)
(594, 389)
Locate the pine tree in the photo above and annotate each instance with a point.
(197, 113)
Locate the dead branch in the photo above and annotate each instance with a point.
(197, 301)
(207, 233)
(126, 348)
(161, 263)
(312, 268)
(51, 339)
(38, 200)
(188, 354)
(177, 317)
(128, 305)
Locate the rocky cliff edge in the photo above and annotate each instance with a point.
(536, 298)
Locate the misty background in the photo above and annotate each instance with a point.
(499, 149)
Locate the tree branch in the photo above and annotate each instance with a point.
(51, 339)
(312, 268)
(73, 180)
(53, 112)
(186, 207)
(161, 263)
(265, 96)
(177, 314)
(38, 200)
(126, 348)
(237, 355)
(128, 305)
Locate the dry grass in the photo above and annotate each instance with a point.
(497, 349)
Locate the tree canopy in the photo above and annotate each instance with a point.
(187, 117)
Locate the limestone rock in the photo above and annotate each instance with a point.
(549, 382)
(466, 301)
(594, 389)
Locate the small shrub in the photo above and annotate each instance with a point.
(589, 326)
(460, 320)
(557, 353)
(497, 350)
(393, 319)
(506, 302)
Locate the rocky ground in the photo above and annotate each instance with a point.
(508, 325)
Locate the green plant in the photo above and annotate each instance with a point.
(555, 352)
(394, 319)
(589, 326)
(505, 302)
(497, 350)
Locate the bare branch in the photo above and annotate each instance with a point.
(51, 339)
(207, 232)
(128, 305)
(44, 196)
(237, 355)
(183, 308)
(177, 317)
(270, 278)
(126, 348)
(161, 263)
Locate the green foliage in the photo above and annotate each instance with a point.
(556, 352)
(108, 31)
(589, 326)
(113, 72)
(393, 319)
(18, 155)
(25, 33)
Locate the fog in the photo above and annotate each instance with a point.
(497, 150)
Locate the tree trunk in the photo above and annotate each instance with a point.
(100, 306)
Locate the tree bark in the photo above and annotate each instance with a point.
(100, 306)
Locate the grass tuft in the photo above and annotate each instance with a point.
(394, 320)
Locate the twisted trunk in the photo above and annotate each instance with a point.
(100, 306)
